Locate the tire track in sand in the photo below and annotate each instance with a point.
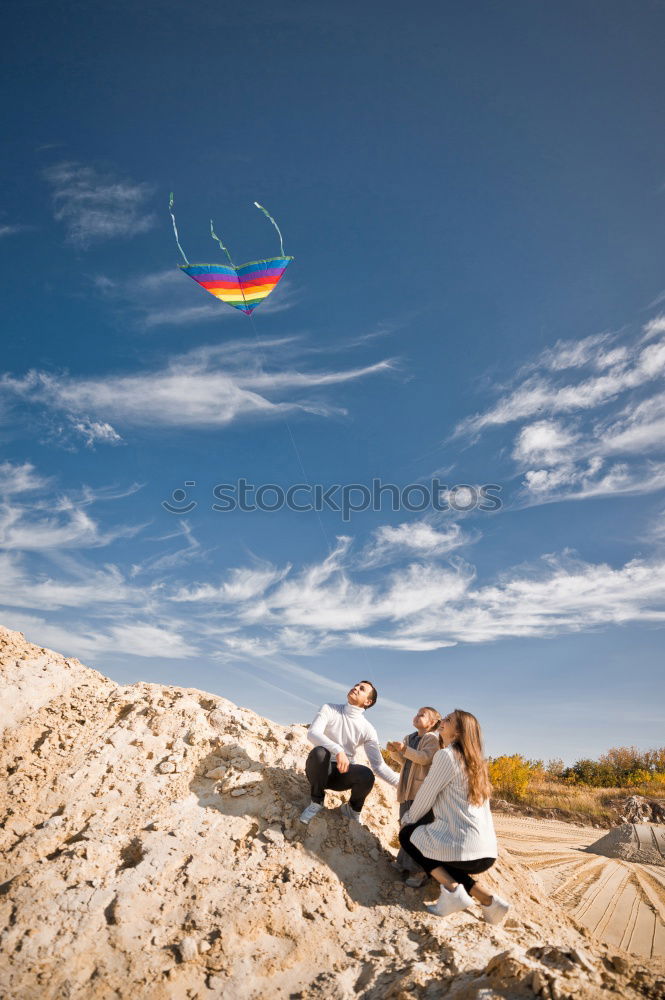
(620, 902)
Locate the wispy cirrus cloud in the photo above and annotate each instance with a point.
(591, 424)
(426, 605)
(47, 520)
(96, 205)
(430, 598)
(12, 229)
(411, 539)
(624, 369)
(192, 390)
(575, 462)
(129, 638)
(22, 478)
(586, 480)
(22, 588)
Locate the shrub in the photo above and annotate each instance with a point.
(510, 775)
(620, 767)
(638, 777)
(555, 768)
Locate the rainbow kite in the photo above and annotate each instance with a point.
(244, 286)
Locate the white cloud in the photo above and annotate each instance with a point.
(570, 465)
(425, 606)
(11, 230)
(130, 639)
(638, 428)
(51, 521)
(544, 441)
(417, 538)
(168, 560)
(539, 394)
(261, 611)
(608, 416)
(96, 206)
(145, 639)
(241, 585)
(68, 527)
(190, 391)
(573, 353)
(593, 479)
(413, 645)
(654, 327)
(20, 479)
(21, 589)
(95, 432)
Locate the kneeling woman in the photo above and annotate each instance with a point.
(460, 842)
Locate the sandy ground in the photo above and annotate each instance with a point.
(150, 849)
(621, 902)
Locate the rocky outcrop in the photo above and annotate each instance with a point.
(637, 809)
(151, 848)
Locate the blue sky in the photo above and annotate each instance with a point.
(474, 198)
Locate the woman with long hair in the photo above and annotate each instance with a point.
(460, 842)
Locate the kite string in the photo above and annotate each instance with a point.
(286, 422)
(175, 229)
(298, 456)
(288, 426)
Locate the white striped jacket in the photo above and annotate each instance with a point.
(460, 831)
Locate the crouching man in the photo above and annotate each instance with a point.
(338, 731)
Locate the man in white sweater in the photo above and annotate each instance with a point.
(337, 733)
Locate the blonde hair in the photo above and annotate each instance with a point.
(469, 745)
(435, 715)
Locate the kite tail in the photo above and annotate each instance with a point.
(175, 229)
(269, 216)
(216, 237)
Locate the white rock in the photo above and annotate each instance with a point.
(53, 822)
(238, 791)
(166, 767)
(218, 720)
(216, 773)
(188, 949)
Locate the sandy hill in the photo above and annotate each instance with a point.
(151, 849)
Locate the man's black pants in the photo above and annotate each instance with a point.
(459, 871)
(321, 776)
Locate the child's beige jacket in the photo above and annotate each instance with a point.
(421, 758)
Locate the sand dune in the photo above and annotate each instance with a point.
(621, 901)
(151, 850)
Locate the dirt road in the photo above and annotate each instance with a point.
(621, 902)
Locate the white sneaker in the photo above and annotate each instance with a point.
(310, 812)
(450, 902)
(496, 911)
(350, 813)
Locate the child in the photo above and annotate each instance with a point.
(460, 841)
(415, 755)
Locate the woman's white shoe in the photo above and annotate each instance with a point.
(450, 902)
(496, 911)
